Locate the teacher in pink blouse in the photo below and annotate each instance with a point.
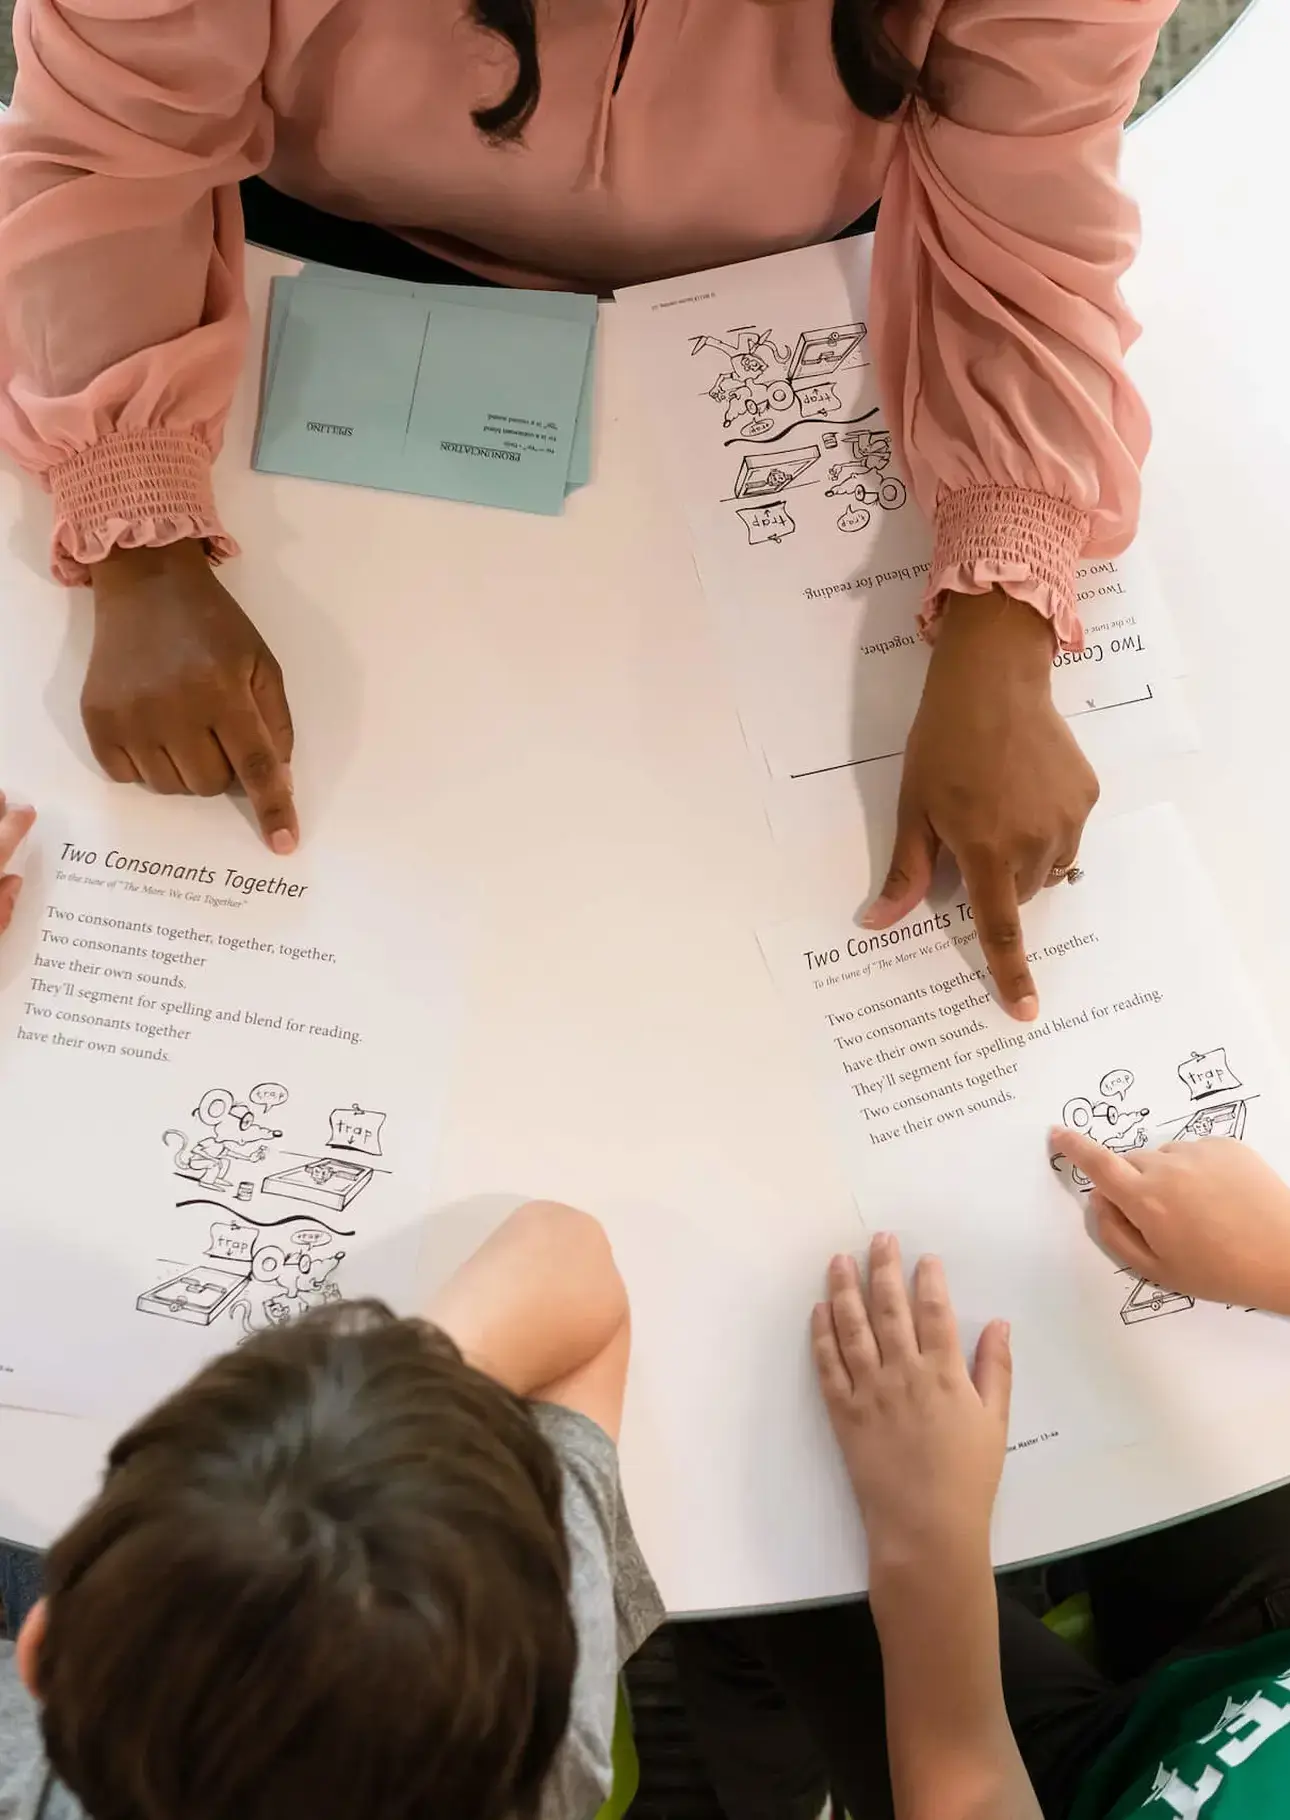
(588, 144)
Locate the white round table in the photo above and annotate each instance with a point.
(547, 714)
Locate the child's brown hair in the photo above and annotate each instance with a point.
(329, 1577)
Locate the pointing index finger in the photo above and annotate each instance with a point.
(992, 893)
(262, 773)
(1117, 1178)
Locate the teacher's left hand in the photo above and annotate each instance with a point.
(992, 772)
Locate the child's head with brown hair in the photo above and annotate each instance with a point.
(327, 1578)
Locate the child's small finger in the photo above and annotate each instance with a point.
(850, 1318)
(830, 1367)
(888, 1300)
(992, 1370)
(1115, 1175)
(934, 1320)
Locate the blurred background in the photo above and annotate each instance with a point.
(1195, 29)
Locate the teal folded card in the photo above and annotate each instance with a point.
(576, 306)
(426, 389)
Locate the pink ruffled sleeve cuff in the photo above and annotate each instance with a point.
(1026, 543)
(133, 490)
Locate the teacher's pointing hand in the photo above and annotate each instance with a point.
(182, 693)
(992, 772)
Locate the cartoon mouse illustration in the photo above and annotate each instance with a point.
(232, 1133)
(746, 350)
(753, 384)
(1116, 1128)
(302, 1279)
(870, 456)
(743, 398)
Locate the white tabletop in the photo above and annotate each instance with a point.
(557, 729)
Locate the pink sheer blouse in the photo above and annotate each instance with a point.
(996, 317)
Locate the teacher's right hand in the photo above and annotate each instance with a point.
(993, 773)
(182, 693)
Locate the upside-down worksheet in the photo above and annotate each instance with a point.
(241, 1065)
(941, 1104)
(764, 398)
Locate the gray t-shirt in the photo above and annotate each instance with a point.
(615, 1607)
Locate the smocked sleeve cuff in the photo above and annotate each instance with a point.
(133, 490)
(1024, 542)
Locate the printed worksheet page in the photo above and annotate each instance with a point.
(760, 383)
(222, 1078)
(1147, 1033)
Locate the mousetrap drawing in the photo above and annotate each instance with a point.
(822, 352)
(258, 1280)
(198, 1296)
(773, 470)
(1226, 1120)
(1207, 1074)
(325, 1181)
(1147, 1301)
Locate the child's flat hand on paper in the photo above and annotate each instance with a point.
(182, 694)
(993, 773)
(1207, 1219)
(923, 1439)
(15, 825)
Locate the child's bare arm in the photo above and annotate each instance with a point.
(541, 1308)
(952, 1752)
(923, 1441)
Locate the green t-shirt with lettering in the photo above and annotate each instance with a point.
(1208, 1740)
